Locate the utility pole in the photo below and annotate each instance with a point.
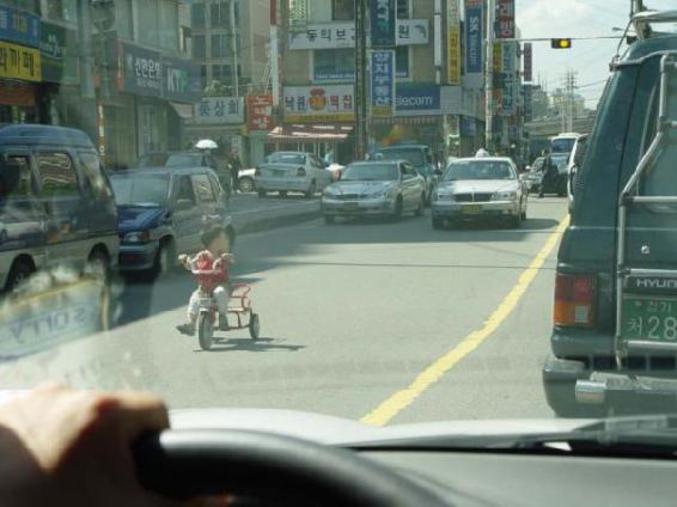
(489, 77)
(234, 44)
(275, 52)
(361, 78)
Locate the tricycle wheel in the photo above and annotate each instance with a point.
(254, 326)
(205, 331)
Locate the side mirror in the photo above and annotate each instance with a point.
(184, 204)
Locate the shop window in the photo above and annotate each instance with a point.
(203, 75)
(62, 10)
(199, 47)
(222, 73)
(185, 40)
(220, 15)
(334, 64)
(343, 10)
(221, 45)
(402, 61)
(197, 15)
(57, 175)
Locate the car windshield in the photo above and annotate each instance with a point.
(286, 158)
(184, 160)
(414, 238)
(371, 172)
(140, 189)
(413, 155)
(479, 170)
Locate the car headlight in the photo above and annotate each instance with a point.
(505, 196)
(443, 196)
(136, 237)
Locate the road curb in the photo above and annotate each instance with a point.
(266, 223)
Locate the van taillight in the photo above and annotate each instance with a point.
(301, 172)
(575, 297)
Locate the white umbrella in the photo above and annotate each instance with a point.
(206, 144)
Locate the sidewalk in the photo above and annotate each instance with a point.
(253, 214)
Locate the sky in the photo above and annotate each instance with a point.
(576, 18)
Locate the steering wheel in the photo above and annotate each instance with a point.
(266, 467)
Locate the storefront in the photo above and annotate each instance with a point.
(316, 109)
(222, 120)
(20, 66)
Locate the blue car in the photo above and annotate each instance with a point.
(161, 213)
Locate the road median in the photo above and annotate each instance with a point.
(251, 214)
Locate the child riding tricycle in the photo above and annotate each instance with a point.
(214, 300)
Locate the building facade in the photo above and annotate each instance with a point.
(231, 46)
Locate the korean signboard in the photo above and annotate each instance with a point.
(319, 103)
(473, 36)
(142, 71)
(505, 19)
(18, 26)
(410, 32)
(528, 62)
(220, 110)
(19, 62)
(181, 81)
(509, 88)
(453, 43)
(260, 112)
(415, 99)
(383, 25)
(59, 61)
(382, 83)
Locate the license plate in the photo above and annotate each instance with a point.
(651, 319)
(472, 209)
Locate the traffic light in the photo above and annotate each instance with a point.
(560, 43)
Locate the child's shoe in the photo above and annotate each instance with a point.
(186, 329)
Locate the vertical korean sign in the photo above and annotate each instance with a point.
(383, 29)
(473, 36)
(453, 43)
(528, 62)
(382, 83)
(505, 19)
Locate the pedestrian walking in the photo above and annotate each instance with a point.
(235, 166)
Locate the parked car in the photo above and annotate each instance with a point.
(534, 175)
(614, 344)
(385, 188)
(291, 171)
(575, 162)
(480, 188)
(162, 212)
(56, 203)
(419, 155)
(179, 159)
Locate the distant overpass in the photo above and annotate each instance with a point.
(549, 127)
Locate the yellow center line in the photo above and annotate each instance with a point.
(401, 399)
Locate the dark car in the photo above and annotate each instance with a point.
(419, 155)
(614, 343)
(56, 203)
(162, 213)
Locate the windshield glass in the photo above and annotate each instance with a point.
(141, 189)
(287, 158)
(479, 170)
(371, 172)
(412, 155)
(479, 280)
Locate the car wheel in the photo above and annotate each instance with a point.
(21, 270)
(311, 191)
(283, 194)
(98, 265)
(421, 206)
(246, 185)
(164, 260)
(329, 219)
(397, 214)
(262, 193)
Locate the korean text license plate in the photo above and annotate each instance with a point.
(650, 318)
(472, 209)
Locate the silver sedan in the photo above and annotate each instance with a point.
(480, 188)
(385, 188)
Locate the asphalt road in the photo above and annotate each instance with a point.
(394, 322)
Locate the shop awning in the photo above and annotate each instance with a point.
(185, 111)
(310, 133)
